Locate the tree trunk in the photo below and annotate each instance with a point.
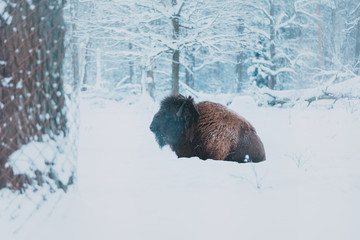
(357, 49)
(150, 74)
(31, 87)
(189, 74)
(98, 83)
(176, 53)
(75, 46)
(239, 59)
(143, 79)
(334, 31)
(272, 79)
(189, 78)
(175, 72)
(131, 67)
(87, 64)
(239, 71)
(319, 37)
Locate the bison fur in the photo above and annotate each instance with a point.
(207, 130)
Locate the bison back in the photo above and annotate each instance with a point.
(223, 135)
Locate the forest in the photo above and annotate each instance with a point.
(217, 46)
(81, 81)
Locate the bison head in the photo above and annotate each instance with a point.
(177, 114)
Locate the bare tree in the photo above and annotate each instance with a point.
(240, 59)
(319, 37)
(271, 16)
(357, 48)
(175, 18)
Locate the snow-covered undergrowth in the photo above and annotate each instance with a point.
(331, 92)
(45, 157)
(128, 188)
(49, 167)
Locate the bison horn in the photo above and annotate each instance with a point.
(181, 109)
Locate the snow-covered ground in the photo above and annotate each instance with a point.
(128, 188)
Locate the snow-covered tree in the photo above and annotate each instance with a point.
(216, 46)
(177, 34)
(278, 27)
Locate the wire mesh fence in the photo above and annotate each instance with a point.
(38, 101)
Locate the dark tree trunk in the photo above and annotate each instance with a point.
(87, 66)
(176, 53)
(31, 87)
(75, 46)
(175, 72)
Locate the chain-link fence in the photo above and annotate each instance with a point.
(38, 100)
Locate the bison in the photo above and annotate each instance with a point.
(206, 130)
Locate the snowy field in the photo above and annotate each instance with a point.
(129, 189)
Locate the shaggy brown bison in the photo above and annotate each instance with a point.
(206, 130)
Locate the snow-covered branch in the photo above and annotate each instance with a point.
(349, 89)
(260, 8)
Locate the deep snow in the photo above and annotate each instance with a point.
(128, 188)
